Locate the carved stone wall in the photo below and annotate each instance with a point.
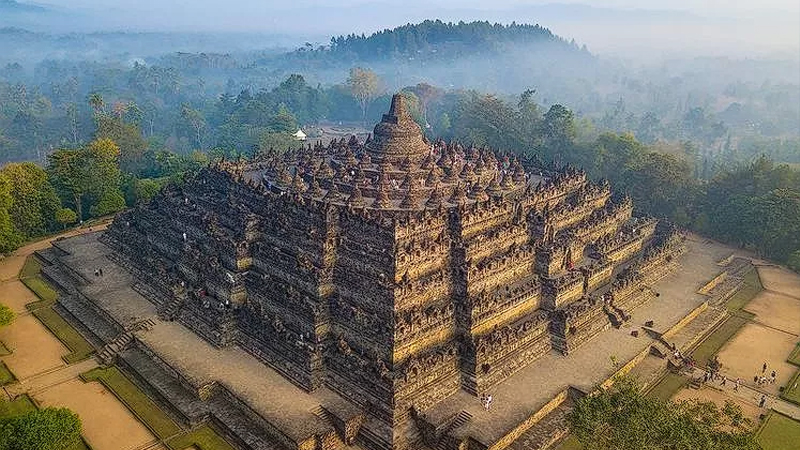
(393, 271)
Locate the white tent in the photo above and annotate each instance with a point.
(299, 135)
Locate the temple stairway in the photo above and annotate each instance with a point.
(113, 348)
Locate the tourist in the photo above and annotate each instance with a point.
(101, 274)
(724, 380)
(96, 273)
(488, 401)
(736, 386)
(763, 401)
(764, 368)
(772, 377)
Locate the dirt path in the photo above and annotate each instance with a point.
(43, 375)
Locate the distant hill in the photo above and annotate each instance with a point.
(14, 6)
(442, 39)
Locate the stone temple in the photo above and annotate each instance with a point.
(393, 279)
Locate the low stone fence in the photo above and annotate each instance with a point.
(683, 322)
(708, 287)
(625, 369)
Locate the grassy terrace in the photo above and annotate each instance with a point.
(668, 386)
(717, 339)
(752, 286)
(43, 310)
(154, 417)
(6, 377)
(203, 438)
(792, 391)
(79, 348)
(140, 405)
(779, 432)
(794, 357)
(712, 344)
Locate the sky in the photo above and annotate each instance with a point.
(728, 7)
(623, 27)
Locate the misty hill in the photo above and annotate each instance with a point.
(434, 38)
(11, 6)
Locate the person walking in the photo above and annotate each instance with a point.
(764, 368)
(763, 401)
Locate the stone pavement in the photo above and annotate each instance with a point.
(50, 378)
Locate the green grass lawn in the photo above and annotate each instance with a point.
(779, 433)
(752, 286)
(203, 438)
(6, 377)
(570, 443)
(31, 276)
(20, 405)
(140, 405)
(717, 339)
(792, 391)
(47, 294)
(794, 357)
(80, 349)
(668, 386)
(31, 268)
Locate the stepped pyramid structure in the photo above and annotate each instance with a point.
(394, 273)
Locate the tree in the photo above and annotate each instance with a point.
(45, 429)
(279, 142)
(34, 200)
(89, 174)
(558, 130)
(132, 145)
(66, 216)
(794, 261)
(10, 238)
(196, 120)
(623, 418)
(96, 102)
(110, 202)
(6, 315)
(425, 93)
(283, 121)
(364, 85)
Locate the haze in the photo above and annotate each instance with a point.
(629, 28)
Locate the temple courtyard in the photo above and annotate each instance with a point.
(37, 362)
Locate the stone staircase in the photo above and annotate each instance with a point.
(460, 419)
(445, 442)
(113, 348)
(172, 308)
(616, 316)
(547, 432)
(332, 440)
